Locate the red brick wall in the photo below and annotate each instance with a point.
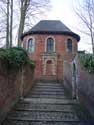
(60, 48)
(60, 41)
(86, 87)
(28, 79)
(85, 84)
(10, 87)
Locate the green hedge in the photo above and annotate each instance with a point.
(87, 60)
(15, 57)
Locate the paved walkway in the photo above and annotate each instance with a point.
(47, 104)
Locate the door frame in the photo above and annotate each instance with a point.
(74, 80)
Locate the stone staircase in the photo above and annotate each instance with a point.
(46, 104)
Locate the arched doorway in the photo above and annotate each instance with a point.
(74, 81)
(49, 68)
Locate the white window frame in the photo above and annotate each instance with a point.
(67, 46)
(46, 43)
(33, 43)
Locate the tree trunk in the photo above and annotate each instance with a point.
(93, 45)
(11, 22)
(21, 28)
(92, 40)
(22, 20)
(7, 27)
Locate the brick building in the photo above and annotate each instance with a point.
(50, 43)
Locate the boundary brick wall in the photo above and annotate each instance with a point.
(85, 85)
(86, 88)
(12, 87)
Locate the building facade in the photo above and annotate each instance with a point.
(49, 43)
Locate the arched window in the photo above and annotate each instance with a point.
(69, 45)
(50, 45)
(30, 45)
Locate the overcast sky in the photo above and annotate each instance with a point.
(64, 10)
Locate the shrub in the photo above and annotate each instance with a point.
(87, 60)
(15, 57)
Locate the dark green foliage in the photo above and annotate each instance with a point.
(15, 57)
(87, 61)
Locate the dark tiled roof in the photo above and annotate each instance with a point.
(51, 27)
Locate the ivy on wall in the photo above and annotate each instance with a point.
(15, 57)
(87, 60)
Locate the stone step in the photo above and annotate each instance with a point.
(43, 107)
(60, 86)
(53, 87)
(46, 93)
(49, 84)
(50, 101)
(56, 96)
(47, 89)
(22, 122)
(43, 116)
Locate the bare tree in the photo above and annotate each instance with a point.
(30, 9)
(23, 10)
(19, 16)
(11, 22)
(85, 12)
(7, 30)
(6, 9)
(3, 20)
